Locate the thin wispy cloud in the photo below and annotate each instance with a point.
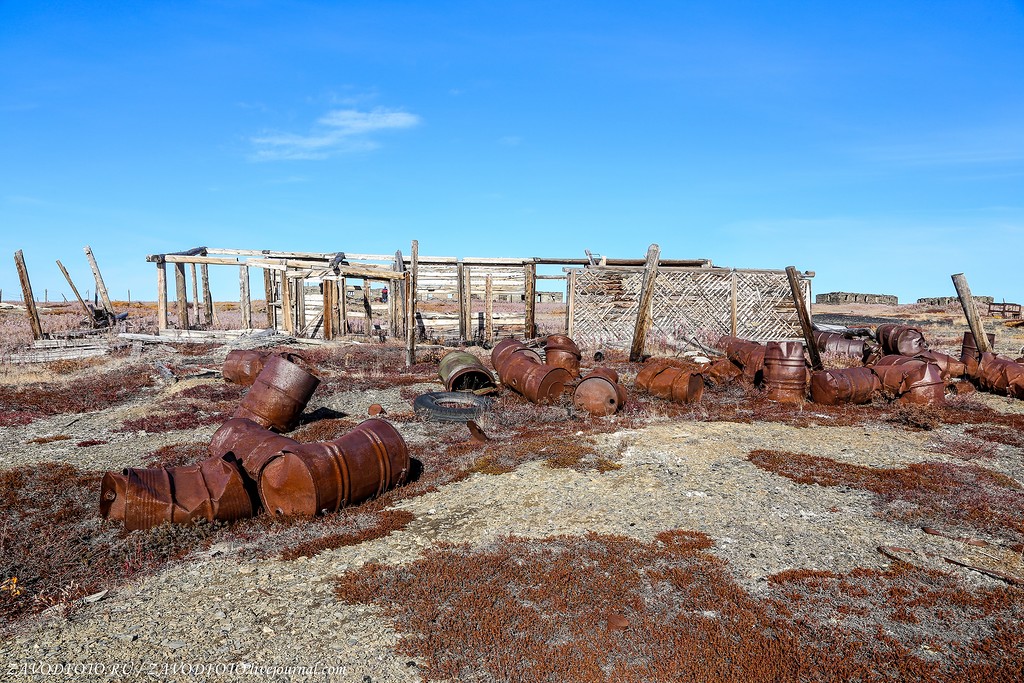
(510, 141)
(338, 132)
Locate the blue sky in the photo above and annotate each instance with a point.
(879, 144)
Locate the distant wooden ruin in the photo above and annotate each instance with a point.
(609, 303)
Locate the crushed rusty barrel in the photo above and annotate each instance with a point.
(243, 366)
(969, 354)
(562, 352)
(537, 382)
(747, 355)
(848, 385)
(310, 479)
(902, 340)
(661, 379)
(841, 345)
(910, 380)
(600, 393)
(721, 371)
(213, 490)
(462, 371)
(250, 443)
(1000, 375)
(505, 348)
(951, 367)
(278, 396)
(785, 372)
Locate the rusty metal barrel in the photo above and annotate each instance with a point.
(600, 393)
(969, 354)
(562, 352)
(505, 348)
(250, 443)
(910, 380)
(214, 490)
(673, 383)
(278, 396)
(748, 355)
(785, 372)
(1000, 375)
(310, 479)
(902, 340)
(721, 371)
(849, 385)
(537, 382)
(243, 366)
(950, 366)
(841, 345)
(461, 371)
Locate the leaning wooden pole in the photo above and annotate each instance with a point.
(805, 317)
(67, 276)
(100, 286)
(410, 331)
(963, 290)
(26, 293)
(644, 310)
(530, 298)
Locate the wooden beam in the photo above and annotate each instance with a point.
(570, 303)
(161, 296)
(402, 286)
(963, 290)
(27, 296)
(367, 309)
(100, 287)
(467, 295)
(204, 271)
(393, 326)
(643, 313)
(207, 260)
(460, 294)
(410, 334)
(300, 303)
(181, 292)
(287, 314)
(67, 276)
(734, 305)
(343, 306)
(268, 292)
(245, 303)
(195, 293)
(530, 298)
(330, 291)
(805, 317)
(488, 311)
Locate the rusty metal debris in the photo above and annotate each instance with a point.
(747, 355)
(562, 352)
(902, 340)
(969, 354)
(911, 380)
(520, 369)
(461, 371)
(600, 393)
(1000, 375)
(721, 371)
(785, 372)
(842, 345)
(278, 395)
(476, 433)
(950, 366)
(376, 409)
(850, 385)
(243, 366)
(660, 378)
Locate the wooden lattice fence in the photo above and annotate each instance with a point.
(701, 303)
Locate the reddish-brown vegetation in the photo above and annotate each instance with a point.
(382, 524)
(24, 404)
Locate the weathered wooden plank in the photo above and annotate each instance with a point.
(643, 316)
(100, 286)
(195, 293)
(28, 296)
(181, 294)
(67, 276)
(488, 311)
(204, 271)
(410, 335)
(963, 290)
(530, 271)
(208, 260)
(161, 295)
(243, 297)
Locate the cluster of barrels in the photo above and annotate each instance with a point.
(539, 379)
(251, 466)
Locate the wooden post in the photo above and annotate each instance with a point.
(460, 285)
(195, 294)
(204, 272)
(467, 284)
(330, 289)
(530, 297)
(100, 287)
(643, 313)
(488, 311)
(733, 318)
(161, 295)
(67, 276)
(410, 333)
(245, 303)
(287, 315)
(367, 309)
(338, 299)
(805, 317)
(400, 267)
(268, 292)
(963, 290)
(300, 304)
(343, 305)
(393, 308)
(570, 309)
(29, 298)
(181, 293)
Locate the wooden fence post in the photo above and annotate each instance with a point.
(287, 314)
(410, 334)
(100, 287)
(963, 290)
(488, 311)
(268, 289)
(400, 267)
(367, 309)
(330, 289)
(29, 298)
(570, 309)
(245, 302)
(643, 313)
(734, 305)
(181, 292)
(467, 295)
(161, 295)
(530, 297)
(195, 294)
(460, 287)
(204, 272)
(805, 317)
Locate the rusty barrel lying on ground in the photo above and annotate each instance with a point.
(243, 366)
(252, 444)
(910, 380)
(849, 385)
(308, 479)
(279, 395)
(520, 369)
(902, 340)
(462, 371)
(840, 345)
(747, 355)
(562, 352)
(969, 354)
(660, 378)
(721, 371)
(1000, 375)
(600, 393)
(214, 490)
(949, 366)
(785, 372)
